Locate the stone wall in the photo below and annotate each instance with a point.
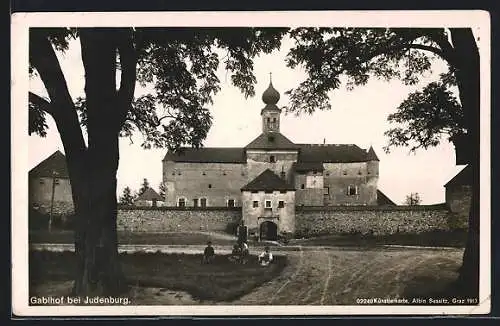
(309, 221)
(365, 220)
(162, 219)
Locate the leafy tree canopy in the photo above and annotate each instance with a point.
(179, 66)
(332, 55)
(413, 199)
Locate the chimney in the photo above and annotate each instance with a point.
(282, 173)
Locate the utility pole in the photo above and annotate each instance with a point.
(54, 176)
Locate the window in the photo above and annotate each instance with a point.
(230, 203)
(195, 202)
(203, 202)
(352, 190)
(268, 120)
(204, 173)
(282, 191)
(327, 174)
(272, 159)
(255, 192)
(42, 181)
(223, 172)
(209, 185)
(255, 204)
(268, 191)
(281, 204)
(326, 191)
(173, 173)
(56, 181)
(181, 202)
(274, 120)
(302, 186)
(345, 172)
(268, 204)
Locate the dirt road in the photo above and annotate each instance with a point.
(333, 277)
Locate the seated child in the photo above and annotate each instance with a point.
(266, 257)
(235, 254)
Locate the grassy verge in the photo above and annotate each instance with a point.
(455, 239)
(220, 281)
(171, 238)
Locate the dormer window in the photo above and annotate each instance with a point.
(272, 159)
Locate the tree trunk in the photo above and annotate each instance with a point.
(468, 78)
(101, 272)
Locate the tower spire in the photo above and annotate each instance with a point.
(271, 112)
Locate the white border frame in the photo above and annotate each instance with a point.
(19, 158)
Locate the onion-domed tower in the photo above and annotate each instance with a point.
(271, 112)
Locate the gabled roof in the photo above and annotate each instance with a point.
(307, 166)
(207, 155)
(267, 180)
(271, 140)
(382, 199)
(54, 163)
(464, 177)
(149, 194)
(371, 156)
(331, 153)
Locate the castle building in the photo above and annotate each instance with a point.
(271, 176)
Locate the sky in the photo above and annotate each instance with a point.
(357, 117)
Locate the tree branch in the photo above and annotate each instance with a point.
(43, 58)
(40, 102)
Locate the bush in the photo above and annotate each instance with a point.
(39, 221)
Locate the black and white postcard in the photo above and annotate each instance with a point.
(251, 163)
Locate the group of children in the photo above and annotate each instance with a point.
(239, 254)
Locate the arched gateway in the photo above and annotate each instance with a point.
(268, 231)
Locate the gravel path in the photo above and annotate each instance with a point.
(336, 277)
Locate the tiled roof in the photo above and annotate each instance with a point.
(331, 153)
(271, 140)
(308, 166)
(54, 163)
(267, 180)
(308, 153)
(382, 199)
(464, 177)
(149, 194)
(208, 155)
